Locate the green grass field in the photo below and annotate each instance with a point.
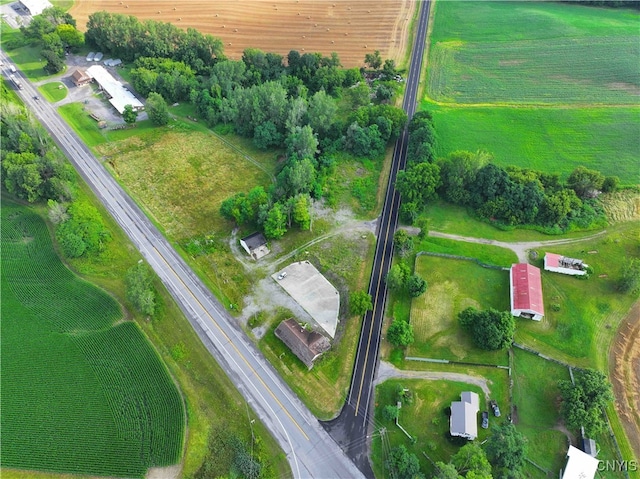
(83, 391)
(533, 84)
(54, 91)
(589, 311)
(434, 314)
(547, 139)
(515, 52)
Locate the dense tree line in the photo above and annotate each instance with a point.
(32, 168)
(583, 401)
(127, 37)
(278, 102)
(55, 31)
(508, 196)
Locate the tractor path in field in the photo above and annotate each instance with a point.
(624, 371)
(519, 248)
(389, 371)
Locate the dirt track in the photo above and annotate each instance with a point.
(351, 28)
(624, 363)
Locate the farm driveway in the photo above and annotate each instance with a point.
(519, 248)
(389, 371)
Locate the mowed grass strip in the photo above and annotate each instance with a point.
(182, 177)
(54, 91)
(438, 334)
(79, 394)
(518, 52)
(547, 139)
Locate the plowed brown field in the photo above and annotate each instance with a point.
(351, 28)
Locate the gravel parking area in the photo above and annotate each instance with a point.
(304, 283)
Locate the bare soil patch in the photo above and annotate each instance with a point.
(624, 364)
(350, 28)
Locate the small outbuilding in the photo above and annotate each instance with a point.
(35, 7)
(80, 77)
(580, 465)
(564, 265)
(306, 345)
(464, 416)
(255, 245)
(526, 291)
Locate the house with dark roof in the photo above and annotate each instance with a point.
(464, 416)
(306, 345)
(255, 245)
(564, 265)
(580, 465)
(526, 291)
(80, 77)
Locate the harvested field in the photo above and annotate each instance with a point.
(624, 364)
(350, 28)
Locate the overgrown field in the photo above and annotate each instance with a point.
(83, 391)
(515, 52)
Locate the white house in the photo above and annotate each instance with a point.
(580, 465)
(564, 265)
(464, 416)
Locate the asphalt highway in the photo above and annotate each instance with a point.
(354, 426)
(309, 449)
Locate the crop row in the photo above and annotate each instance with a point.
(78, 396)
(559, 71)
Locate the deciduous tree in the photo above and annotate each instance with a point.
(582, 402)
(490, 329)
(403, 464)
(400, 333)
(507, 451)
(416, 285)
(129, 115)
(139, 289)
(360, 303)
(157, 109)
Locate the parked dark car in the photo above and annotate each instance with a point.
(496, 409)
(485, 419)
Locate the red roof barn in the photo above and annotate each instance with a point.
(526, 291)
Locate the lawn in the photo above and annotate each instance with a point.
(487, 254)
(108, 406)
(54, 91)
(548, 139)
(515, 52)
(28, 58)
(434, 314)
(589, 311)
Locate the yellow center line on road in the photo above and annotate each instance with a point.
(233, 345)
(373, 312)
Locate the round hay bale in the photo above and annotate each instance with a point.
(235, 29)
(303, 36)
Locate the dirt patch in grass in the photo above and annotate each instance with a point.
(624, 365)
(622, 206)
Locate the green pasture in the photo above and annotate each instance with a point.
(434, 314)
(424, 420)
(54, 91)
(488, 254)
(588, 311)
(82, 391)
(547, 139)
(523, 52)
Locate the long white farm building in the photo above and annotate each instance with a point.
(120, 96)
